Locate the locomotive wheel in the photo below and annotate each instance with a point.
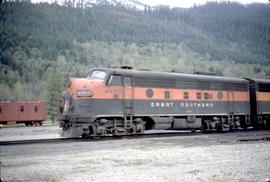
(96, 137)
(133, 130)
(268, 123)
(85, 136)
(205, 126)
(219, 127)
(243, 125)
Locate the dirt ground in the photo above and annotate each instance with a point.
(211, 157)
(27, 133)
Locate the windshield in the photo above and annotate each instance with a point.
(97, 75)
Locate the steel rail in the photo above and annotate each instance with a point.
(94, 139)
(241, 138)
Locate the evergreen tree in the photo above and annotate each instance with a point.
(54, 87)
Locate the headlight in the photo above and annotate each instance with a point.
(84, 93)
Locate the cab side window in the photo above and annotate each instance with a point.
(116, 80)
(128, 81)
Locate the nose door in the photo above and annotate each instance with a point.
(127, 95)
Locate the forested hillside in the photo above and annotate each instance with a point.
(43, 44)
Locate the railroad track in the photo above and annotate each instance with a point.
(33, 141)
(103, 138)
(238, 136)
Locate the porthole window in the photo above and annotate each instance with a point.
(149, 93)
(167, 95)
(220, 95)
(186, 95)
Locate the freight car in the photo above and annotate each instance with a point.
(27, 112)
(122, 101)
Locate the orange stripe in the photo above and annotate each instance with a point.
(102, 91)
(241, 96)
(263, 96)
(178, 94)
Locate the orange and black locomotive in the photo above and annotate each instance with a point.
(122, 101)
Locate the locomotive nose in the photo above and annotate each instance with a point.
(81, 87)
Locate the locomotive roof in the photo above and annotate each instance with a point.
(171, 75)
(262, 81)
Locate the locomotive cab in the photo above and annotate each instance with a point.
(100, 104)
(76, 99)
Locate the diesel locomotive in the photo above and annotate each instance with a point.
(124, 101)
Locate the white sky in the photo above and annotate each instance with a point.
(190, 3)
(175, 3)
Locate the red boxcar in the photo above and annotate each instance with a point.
(28, 112)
